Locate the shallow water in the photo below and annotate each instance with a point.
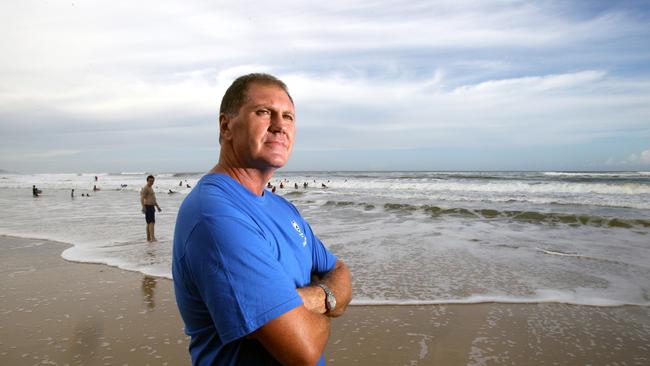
(409, 237)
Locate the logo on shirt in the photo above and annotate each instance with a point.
(297, 227)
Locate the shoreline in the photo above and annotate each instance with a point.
(472, 300)
(61, 312)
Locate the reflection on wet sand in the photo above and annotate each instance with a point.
(148, 291)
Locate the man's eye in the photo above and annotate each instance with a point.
(263, 112)
(288, 117)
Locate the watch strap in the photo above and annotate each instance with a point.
(330, 299)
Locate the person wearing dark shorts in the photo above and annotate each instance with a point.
(149, 205)
(150, 214)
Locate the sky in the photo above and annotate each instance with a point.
(99, 86)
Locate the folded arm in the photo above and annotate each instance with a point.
(299, 336)
(339, 280)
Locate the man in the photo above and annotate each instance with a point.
(149, 204)
(254, 285)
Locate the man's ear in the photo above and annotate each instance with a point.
(224, 127)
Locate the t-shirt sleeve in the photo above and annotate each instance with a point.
(323, 260)
(238, 276)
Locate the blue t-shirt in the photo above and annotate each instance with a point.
(238, 259)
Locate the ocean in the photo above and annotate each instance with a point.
(408, 237)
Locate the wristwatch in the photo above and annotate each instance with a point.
(330, 299)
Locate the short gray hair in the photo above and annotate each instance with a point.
(236, 95)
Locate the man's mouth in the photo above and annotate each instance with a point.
(277, 141)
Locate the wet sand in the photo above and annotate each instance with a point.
(492, 334)
(57, 312)
(61, 313)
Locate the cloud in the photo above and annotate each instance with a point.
(643, 157)
(88, 75)
(419, 113)
(635, 159)
(533, 84)
(44, 155)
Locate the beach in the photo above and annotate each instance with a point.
(58, 312)
(449, 268)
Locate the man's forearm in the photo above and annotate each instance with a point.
(339, 280)
(313, 297)
(297, 337)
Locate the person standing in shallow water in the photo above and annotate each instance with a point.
(149, 205)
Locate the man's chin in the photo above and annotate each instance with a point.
(274, 164)
(278, 165)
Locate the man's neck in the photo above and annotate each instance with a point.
(252, 179)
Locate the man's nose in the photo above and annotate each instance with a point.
(278, 123)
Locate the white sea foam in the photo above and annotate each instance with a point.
(543, 296)
(77, 254)
(596, 174)
(551, 252)
(508, 187)
(632, 190)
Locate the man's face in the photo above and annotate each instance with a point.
(150, 182)
(263, 131)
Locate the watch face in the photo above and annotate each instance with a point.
(331, 302)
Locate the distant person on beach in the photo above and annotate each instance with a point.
(35, 191)
(149, 204)
(253, 283)
(72, 193)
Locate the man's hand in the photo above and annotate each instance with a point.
(159, 210)
(143, 210)
(339, 281)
